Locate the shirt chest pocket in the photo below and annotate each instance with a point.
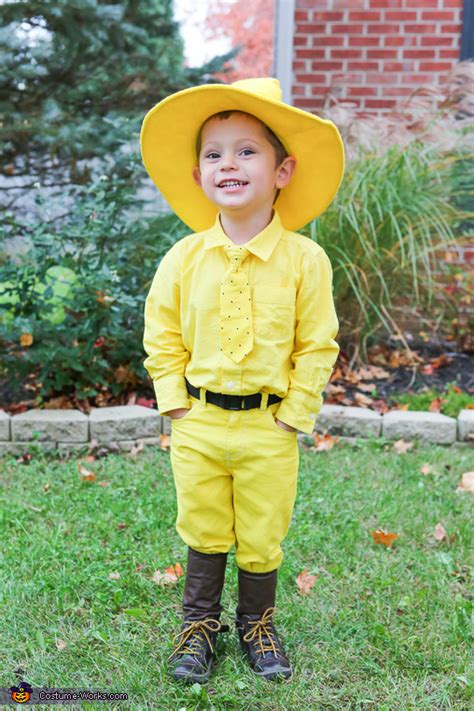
(273, 312)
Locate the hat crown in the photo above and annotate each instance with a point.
(266, 87)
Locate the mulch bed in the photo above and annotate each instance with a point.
(439, 365)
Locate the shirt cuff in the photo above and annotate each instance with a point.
(298, 411)
(171, 393)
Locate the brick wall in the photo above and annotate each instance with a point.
(372, 52)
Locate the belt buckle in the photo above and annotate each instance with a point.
(228, 405)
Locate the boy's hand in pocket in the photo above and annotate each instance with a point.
(284, 426)
(179, 412)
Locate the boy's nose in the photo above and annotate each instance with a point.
(229, 162)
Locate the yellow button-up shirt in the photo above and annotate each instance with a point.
(294, 322)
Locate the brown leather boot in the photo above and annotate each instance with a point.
(193, 657)
(257, 634)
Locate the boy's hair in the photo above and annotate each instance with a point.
(280, 152)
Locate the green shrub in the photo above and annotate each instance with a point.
(72, 307)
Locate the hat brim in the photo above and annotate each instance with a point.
(168, 139)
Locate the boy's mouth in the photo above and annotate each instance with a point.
(232, 183)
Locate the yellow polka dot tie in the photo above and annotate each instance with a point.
(236, 307)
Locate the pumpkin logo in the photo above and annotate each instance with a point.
(22, 693)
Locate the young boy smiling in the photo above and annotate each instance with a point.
(240, 331)
(240, 171)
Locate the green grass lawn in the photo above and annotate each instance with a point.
(382, 628)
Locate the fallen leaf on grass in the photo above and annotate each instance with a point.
(385, 538)
(114, 576)
(401, 447)
(61, 644)
(440, 532)
(85, 474)
(305, 582)
(467, 482)
(324, 441)
(171, 575)
(426, 469)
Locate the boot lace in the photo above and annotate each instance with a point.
(261, 633)
(191, 637)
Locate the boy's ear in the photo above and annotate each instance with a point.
(285, 171)
(197, 176)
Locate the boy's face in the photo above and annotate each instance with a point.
(237, 165)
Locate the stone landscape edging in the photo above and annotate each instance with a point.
(125, 426)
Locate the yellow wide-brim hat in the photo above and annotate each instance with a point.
(168, 148)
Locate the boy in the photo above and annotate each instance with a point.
(239, 331)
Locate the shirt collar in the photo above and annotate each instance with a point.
(262, 244)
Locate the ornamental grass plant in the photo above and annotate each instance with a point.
(391, 215)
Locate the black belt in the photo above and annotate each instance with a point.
(232, 402)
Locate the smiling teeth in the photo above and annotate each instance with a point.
(232, 184)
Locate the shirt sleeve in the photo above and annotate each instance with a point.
(315, 349)
(162, 339)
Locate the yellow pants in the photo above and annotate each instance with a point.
(236, 475)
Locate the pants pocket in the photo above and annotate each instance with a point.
(276, 426)
(192, 410)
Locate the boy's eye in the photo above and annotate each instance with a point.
(212, 154)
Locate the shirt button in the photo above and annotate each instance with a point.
(230, 384)
(311, 417)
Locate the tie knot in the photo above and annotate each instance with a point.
(236, 255)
